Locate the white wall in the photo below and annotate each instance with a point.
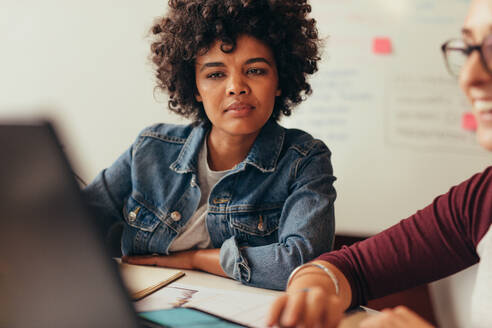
(84, 64)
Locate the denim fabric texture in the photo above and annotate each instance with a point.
(271, 213)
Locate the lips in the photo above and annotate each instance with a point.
(239, 106)
(483, 107)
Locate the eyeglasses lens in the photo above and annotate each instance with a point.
(456, 55)
(487, 52)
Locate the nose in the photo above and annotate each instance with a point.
(237, 85)
(473, 72)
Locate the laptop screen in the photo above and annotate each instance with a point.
(54, 268)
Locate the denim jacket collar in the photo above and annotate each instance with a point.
(263, 155)
(267, 147)
(187, 160)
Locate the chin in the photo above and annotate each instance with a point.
(243, 129)
(484, 137)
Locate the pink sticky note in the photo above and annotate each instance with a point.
(468, 122)
(381, 46)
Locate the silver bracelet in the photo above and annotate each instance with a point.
(319, 266)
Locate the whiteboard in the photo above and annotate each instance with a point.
(391, 121)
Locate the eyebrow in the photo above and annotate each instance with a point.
(211, 64)
(468, 32)
(258, 60)
(249, 61)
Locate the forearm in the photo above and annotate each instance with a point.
(387, 262)
(311, 276)
(201, 259)
(207, 260)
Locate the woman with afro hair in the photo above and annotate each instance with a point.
(233, 193)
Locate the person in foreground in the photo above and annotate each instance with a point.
(233, 193)
(449, 235)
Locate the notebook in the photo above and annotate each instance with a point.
(141, 281)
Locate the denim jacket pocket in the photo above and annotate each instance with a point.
(255, 228)
(139, 216)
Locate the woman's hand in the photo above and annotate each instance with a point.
(313, 307)
(200, 259)
(311, 299)
(399, 317)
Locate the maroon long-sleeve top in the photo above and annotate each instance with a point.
(435, 242)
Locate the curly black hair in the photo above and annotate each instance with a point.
(192, 26)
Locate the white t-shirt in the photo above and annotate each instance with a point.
(194, 234)
(481, 309)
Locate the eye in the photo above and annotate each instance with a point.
(215, 75)
(256, 71)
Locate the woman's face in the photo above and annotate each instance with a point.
(475, 81)
(237, 89)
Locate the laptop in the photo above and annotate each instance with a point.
(54, 268)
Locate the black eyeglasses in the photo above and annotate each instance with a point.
(456, 53)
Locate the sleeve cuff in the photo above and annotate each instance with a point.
(233, 263)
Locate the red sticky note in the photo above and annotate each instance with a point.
(468, 122)
(381, 46)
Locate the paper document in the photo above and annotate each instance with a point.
(144, 280)
(248, 309)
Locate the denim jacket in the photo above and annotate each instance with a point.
(269, 214)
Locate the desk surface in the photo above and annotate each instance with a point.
(203, 279)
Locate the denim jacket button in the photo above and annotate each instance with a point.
(261, 226)
(132, 216)
(176, 216)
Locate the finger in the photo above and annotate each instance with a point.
(334, 312)
(394, 319)
(384, 319)
(410, 318)
(314, 314)
(276, 310)
(292, 313)
(404, 312)
(400, 316)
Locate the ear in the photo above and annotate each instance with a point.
(198, 97)
(278, 92)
